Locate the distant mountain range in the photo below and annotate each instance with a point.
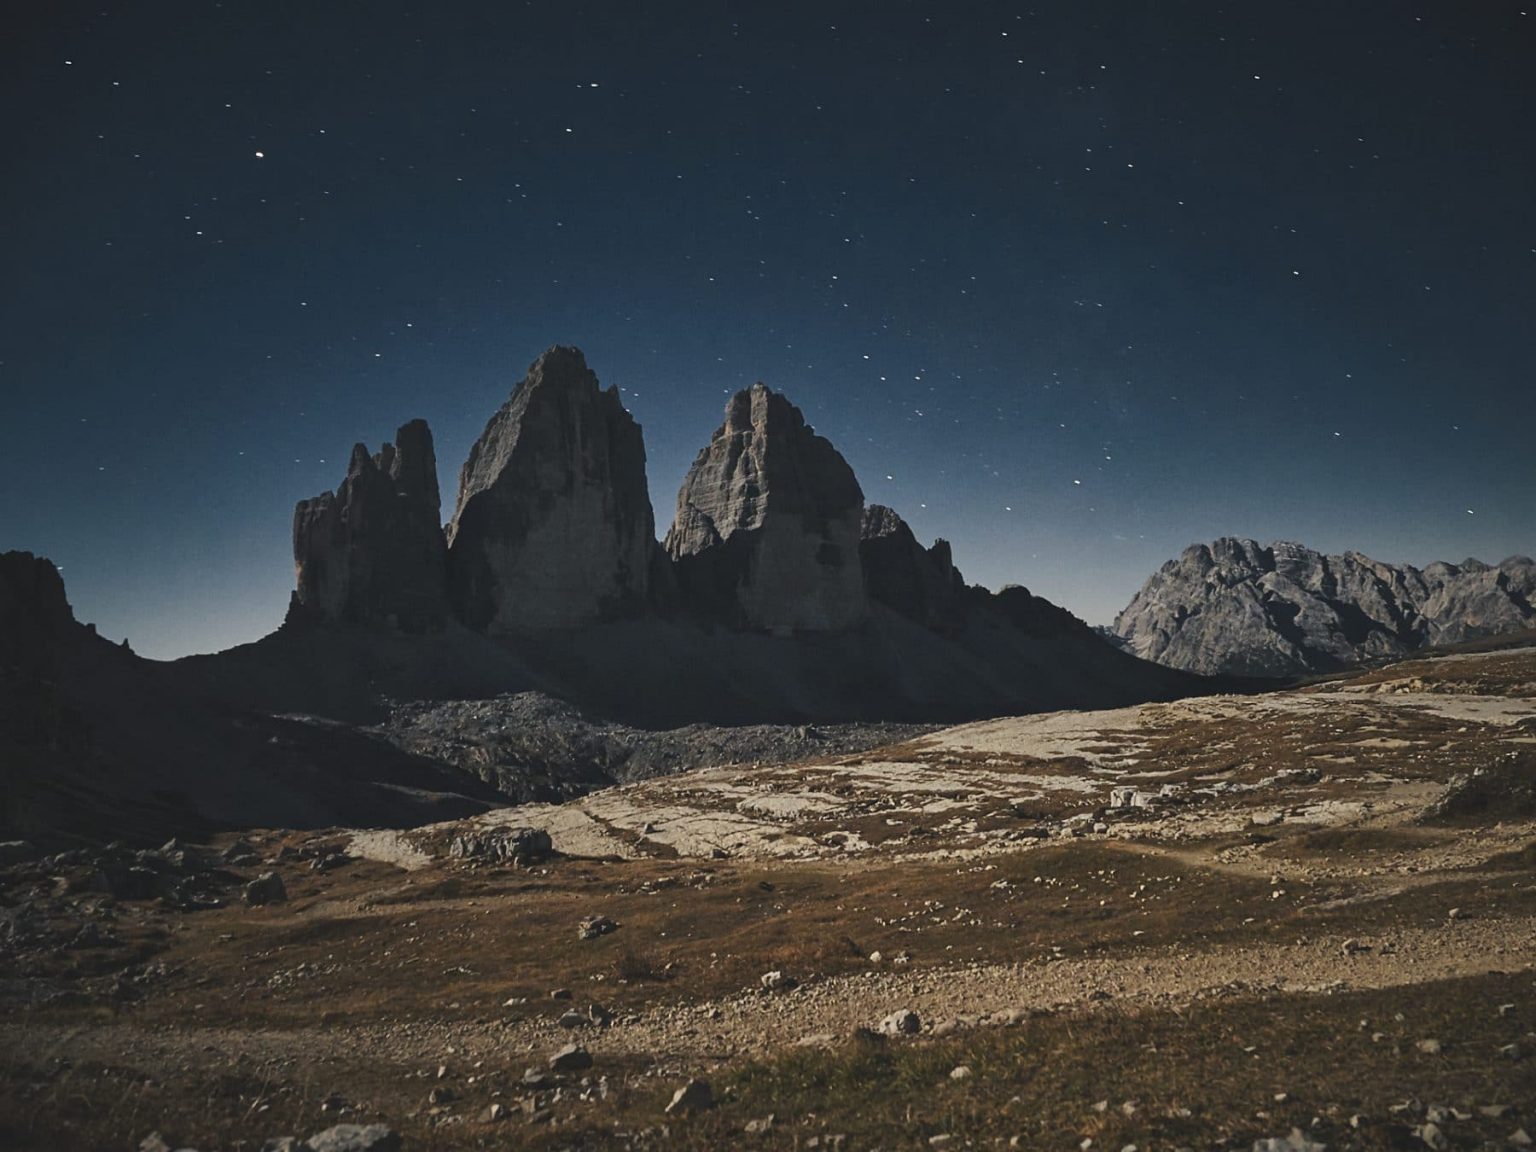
(777, 597)
(1237, 608)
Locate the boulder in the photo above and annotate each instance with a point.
(502, 845)
(355, 1138)
(594, 926)
(1236, 607)
(694, 1096)
(920, 583)
(902, 1022)
(768, 522)
(266, 889)
(571, 1058)
(553, 527)
(372, 552)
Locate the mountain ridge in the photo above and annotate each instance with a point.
(1236, 607)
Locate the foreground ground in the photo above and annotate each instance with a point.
(1193, 925)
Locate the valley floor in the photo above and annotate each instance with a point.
(1307, 916)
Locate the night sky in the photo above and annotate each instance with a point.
(1073, 285)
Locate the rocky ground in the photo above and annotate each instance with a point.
(531, 746)
(1299, 920)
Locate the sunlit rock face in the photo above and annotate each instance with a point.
(372, 551)
(768, 521)
(553, 527)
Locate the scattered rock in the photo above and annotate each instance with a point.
(902, 1022)
(1297, 1141)
(1430, 1047)
(503, 845)
(356, 1138)
(694, 1096)
(960, 1072)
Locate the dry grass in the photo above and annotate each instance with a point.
(368, 977)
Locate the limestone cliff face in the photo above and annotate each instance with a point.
(922, 584)
(372, 552)
(553, 528)
(1237, 607)
(768, 523)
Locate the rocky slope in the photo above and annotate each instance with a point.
(768, 522)
(1234, 607)
(553, 527)
(97, 743)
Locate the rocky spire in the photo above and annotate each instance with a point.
(922, 584)
(34, 611)
(373, 551)
(767, 527)
(553, 527)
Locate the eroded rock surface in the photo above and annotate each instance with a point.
(768, 523)
(553, 527)
(1237, 607)
(373, 551)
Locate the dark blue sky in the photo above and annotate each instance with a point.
(1072, 284)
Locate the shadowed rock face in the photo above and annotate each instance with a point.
(768, 521)
(553, 527)
(34, 611)
(922, 584)
(1237, 607)
(372, 551)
